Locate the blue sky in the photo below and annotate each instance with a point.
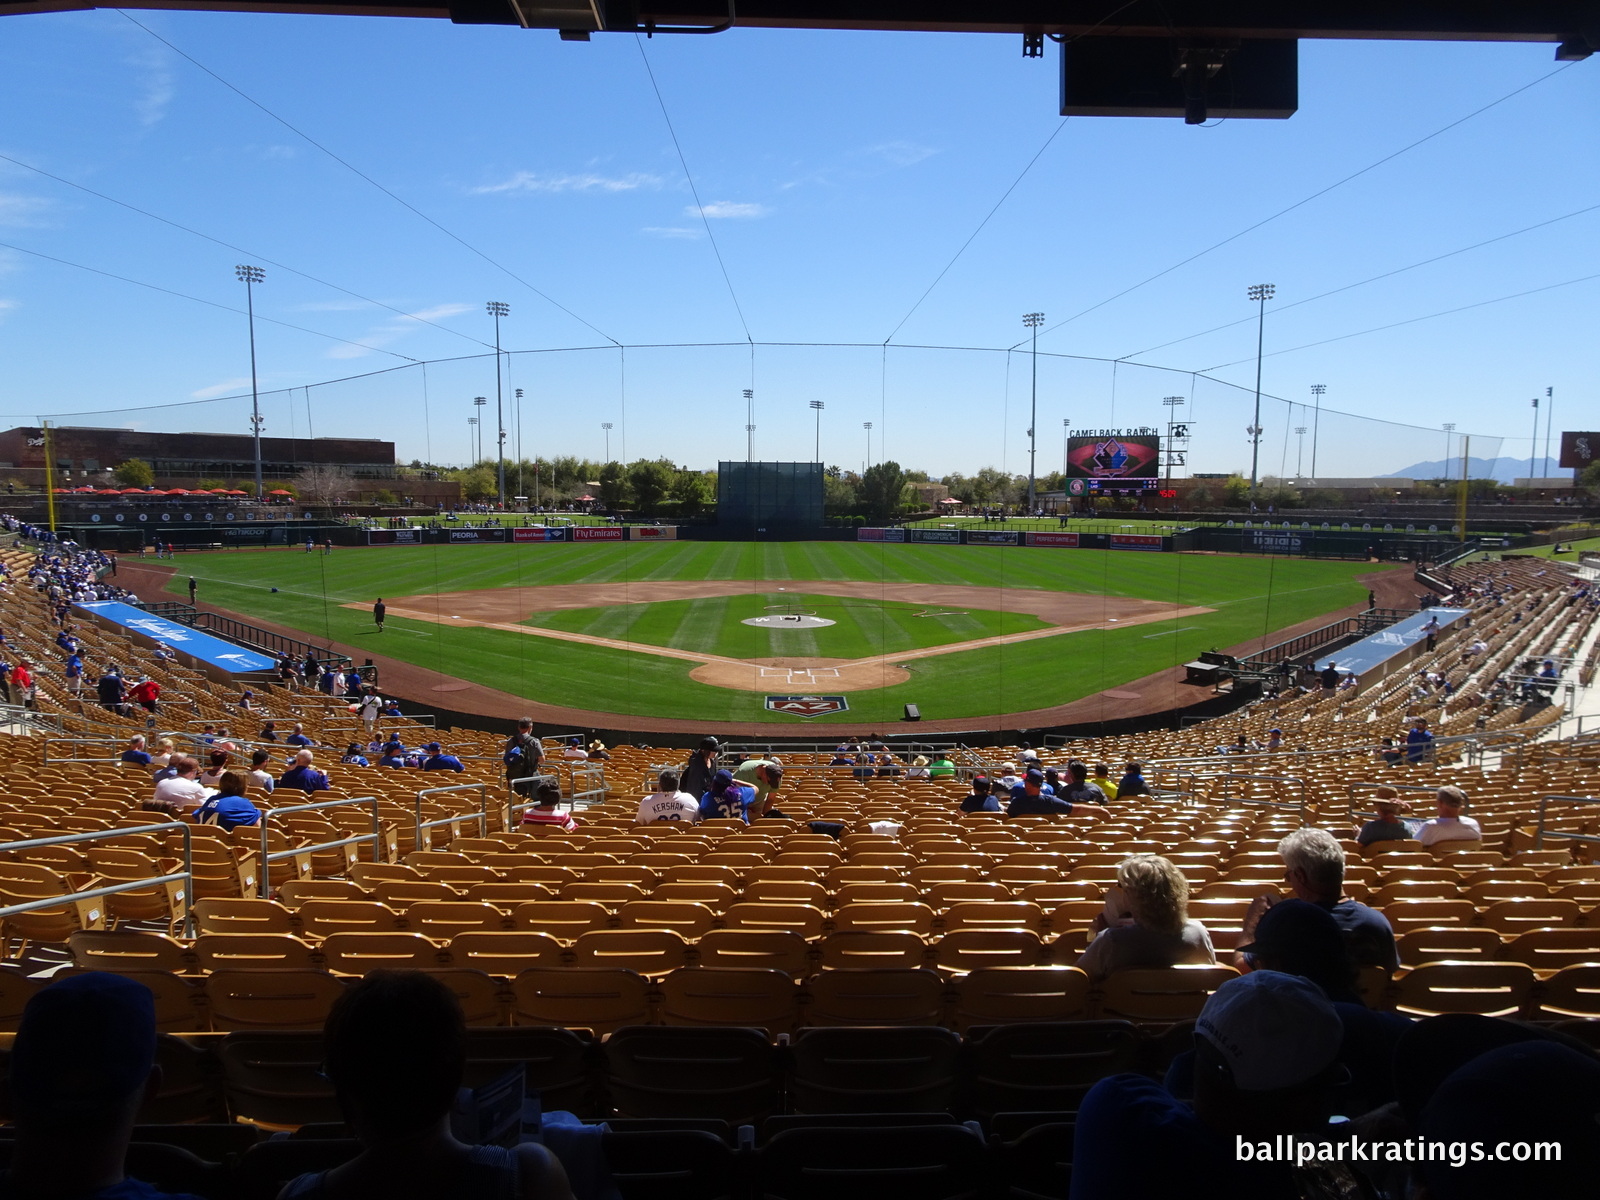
(839, 174)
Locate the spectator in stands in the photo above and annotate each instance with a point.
(1033, 796)
(269, 732)
(369, 710)
(1102, 780)
(212, 775)
(1387, 826)
(918, 768)
(108, 688)
(1450, 825)
(259, 775)
(1146, 922)
(942, 767)
(865, 765)
(1314, 870)
(163, 754)
(981, 799)
(1274, 741)
(1298, 938)
(247, 700)
(1084, 796)
(303, 776)
(82, 1065)
(888, 766)
(598, 751)
(1132, 782)
(1329, 676)
(136, 753)
(24, 689)
(181, 793)
(228, 808)
(72, 670)
(695, 778)
(1389, 753)
(298, 736)
(763, 776)
(522, 755)
(438, 760)
(353, 756)
(1419, 741)
(726, 799)
(394, 755)
(667, 803)
(1008, 775)
(396, 1051)
(575, 751)
(1266, 1063)
(546, 802)
(391, 708)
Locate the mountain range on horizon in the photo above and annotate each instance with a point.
(1502, 470)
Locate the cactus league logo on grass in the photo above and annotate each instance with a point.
(808, 706)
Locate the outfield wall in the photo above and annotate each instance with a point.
(1015, 537)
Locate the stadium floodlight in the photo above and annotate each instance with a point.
(250, 276)
(472, 428)
(1299, 447)
(1032, 321)
(498, 309)
(1318, 390)
(1066, 438)
(817, 406)
(1260, 293)
(1449, 428)
(517, 417)
(867, 425)
(478, 402)
(606, 425)
(749, 425)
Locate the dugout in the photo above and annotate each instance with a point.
(769, 497)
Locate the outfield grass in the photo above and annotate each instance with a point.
(714, 625)
(1251, 596)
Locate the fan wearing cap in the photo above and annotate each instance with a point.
(1450, 825)
(1388, 827)
(574, 750)
(1266, 1064)
(394, 755)
(726, 799)
(438, 760)
(82, 1065)
(982, 799)
(695, 778)
(765, 775)
(1032, 796)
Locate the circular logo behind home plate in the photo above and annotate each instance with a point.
(797, 620)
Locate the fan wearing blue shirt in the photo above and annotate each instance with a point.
(298, 737)
(136, 753)
(228, 807)
(394, 755)
(727, 799)
(303, 775)
(438, 760)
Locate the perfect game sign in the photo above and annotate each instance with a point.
(1114, 460)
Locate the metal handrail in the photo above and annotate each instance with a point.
(66, 839)
(591, 772)
(1299, 806)
(482, 812)
(264, 880)
(1538, 836)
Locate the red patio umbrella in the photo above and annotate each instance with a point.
(234, 492)
(585, 498)
(131, 492)
(108, 492)
(219, 491)
(280, 492)
(61, 491)
(174, 492)
(950, 500)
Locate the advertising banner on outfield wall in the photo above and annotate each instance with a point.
(1135, 541)
(653, 533)
(539, 533)
(598, 533)
(991, 537)
(948, 537)
(1052, 539)
(870, 534)
(1269, 541)
(476, 535)
(394, 537)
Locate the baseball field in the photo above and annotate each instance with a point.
(661, 629)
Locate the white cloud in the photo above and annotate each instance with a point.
(439, 311)
(529, 181)
(7, 307)
(158, 85)
(671, 231)
(724, 209)
(21, 211)
(221, 389)
(901, 154)
(382, 336)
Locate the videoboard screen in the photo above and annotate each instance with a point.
(1114, 460)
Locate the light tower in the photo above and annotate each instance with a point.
(749, 425)
(1260, 293)
(497, 309)
(606, 425)
(1299, 448)
(518, 418)
(472, 433)
(1318, 390)
(478, 402)
(1449, 428)
(867, 425)
(1177, 453)
(250, 276)
(1032, 321)
(817, 406)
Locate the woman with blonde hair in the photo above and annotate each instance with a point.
(1146, 921)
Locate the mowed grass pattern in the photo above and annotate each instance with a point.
(714, 625)
(1252, 596)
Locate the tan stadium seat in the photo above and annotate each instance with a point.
(684, 917)
(24, 882)
(504, 952)
(319, 918)
(876, 996)
(859, 948)
(601, 1000)
(483, 1000)
(975, 946)
(779, 950)
(946, 895)
(647, 951)
(401, 894)
(221, 915)
(1550, 950)
(507, 896)
(1161, 994)
(784, 891)
(715, 896)
(297, 891)
(855, 893)
(1405, 915)
(358, 953)
(1511, 917)
(128, 950)
(1491, 989)
(225, 951)
(441, 920)
(612, 895)
(167, 902)
(796, 918)
(1448, 943)
(564, 920)
(1002, 995)
(1014, 914)
(1570, 993)
(750, 997)
(270, 999)
(887, 915)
